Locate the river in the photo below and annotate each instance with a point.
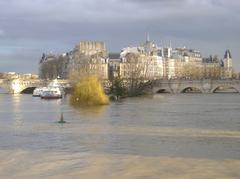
(163, 136)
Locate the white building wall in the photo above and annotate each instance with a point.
(171, 68)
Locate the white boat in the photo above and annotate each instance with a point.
(52, 93)
(38, 91)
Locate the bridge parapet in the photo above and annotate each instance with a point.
(205, 86)
(18, 85)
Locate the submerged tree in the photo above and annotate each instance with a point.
(88, 91)
(87, 73)
(118, 87)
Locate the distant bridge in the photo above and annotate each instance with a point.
(180, 86)
(15, 86)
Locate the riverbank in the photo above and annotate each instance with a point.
(55, 165)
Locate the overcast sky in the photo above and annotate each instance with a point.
(30, 27)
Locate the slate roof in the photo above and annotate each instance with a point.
(227, 54)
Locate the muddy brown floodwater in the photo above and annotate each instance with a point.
(164, 136)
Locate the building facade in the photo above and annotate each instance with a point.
(146, 61)
(143, 62)
(228, 65)
(152, 62)
(114, 66)
(87, 58)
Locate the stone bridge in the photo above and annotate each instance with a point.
(15, 86)
(180, 86)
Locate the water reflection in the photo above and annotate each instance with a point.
(16, 107)
(91, 111)
(2, 91)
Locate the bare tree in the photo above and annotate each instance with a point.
(137, 72)
(191, 71)
(54, 68)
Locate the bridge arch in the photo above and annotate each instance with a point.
(191, 89)
(162, 90)
(28, 90)
(216, 88)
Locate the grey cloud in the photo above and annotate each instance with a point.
(157, 2)
(1, 33)
(30, 27)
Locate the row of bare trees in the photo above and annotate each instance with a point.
(51, 69)
(197, 72)
(135, 71)
(137, 67)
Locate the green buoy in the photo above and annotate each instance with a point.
(61, 121)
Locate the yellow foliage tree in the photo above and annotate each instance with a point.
(88, 92)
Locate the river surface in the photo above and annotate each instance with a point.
(164, 136)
